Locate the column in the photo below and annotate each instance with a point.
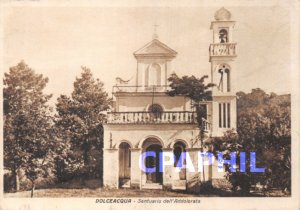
(167, 174)
(167, 69)
(193, 179)
(111, 168)
(135, 171)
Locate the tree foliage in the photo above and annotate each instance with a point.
(79, 123)
(28, 137)
(191, 87)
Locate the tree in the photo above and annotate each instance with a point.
(196, 90)
(79, 119)
(28, 140)
(190, 87)
(268, 118)
(263, 126)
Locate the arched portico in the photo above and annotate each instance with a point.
(142, 141)
(179, 148)
(153, 146)
(124, 141)
(124, 163)
(187, 144)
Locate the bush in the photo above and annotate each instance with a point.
(66, 169)
(240, 181)
(206, 187)
(8, 183)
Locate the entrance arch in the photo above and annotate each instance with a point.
(178, 149)
(153, 145)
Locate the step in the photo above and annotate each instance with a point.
(153, 186)
(125, 183)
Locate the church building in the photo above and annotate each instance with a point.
(144, 118)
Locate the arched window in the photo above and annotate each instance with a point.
(223, 36)
(153, 75)
(224, 75)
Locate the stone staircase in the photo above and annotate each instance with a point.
(152, 186)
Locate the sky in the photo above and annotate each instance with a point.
(57, 41)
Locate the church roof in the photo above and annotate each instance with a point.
(155, 48)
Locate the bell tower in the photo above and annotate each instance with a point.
(222, 53)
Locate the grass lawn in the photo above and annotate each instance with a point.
(99, 192)
(93, 188)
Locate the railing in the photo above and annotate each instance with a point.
(150, 88)
(151, 118)
(221, 49)
(205, 124)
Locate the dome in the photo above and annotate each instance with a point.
(222, 14)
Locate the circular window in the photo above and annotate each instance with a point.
(156, 110)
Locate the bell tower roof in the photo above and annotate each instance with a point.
(222, 15)
(155, 48)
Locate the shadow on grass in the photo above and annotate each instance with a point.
(94, 188)
(78, 184)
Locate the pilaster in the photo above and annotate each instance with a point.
(111, 168)
(135, 171)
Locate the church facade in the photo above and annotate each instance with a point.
(144, 118)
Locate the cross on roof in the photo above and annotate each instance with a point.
(155, 27)
(155, 36)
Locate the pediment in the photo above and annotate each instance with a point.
(155, 48)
